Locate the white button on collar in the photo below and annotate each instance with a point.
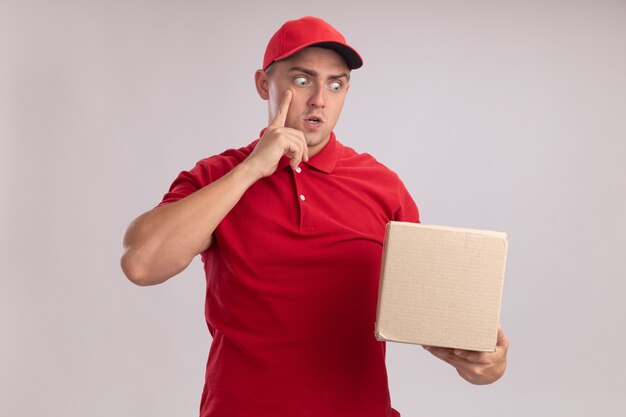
(298, 170)
(302, 197)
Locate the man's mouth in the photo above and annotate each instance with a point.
(314, 120)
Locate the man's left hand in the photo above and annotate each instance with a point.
(476, 367)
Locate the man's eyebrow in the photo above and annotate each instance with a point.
(307, 71)
(314, 73)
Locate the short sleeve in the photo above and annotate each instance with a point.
(187, 183)
(204, 173)
(408, 211)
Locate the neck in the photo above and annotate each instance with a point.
(315, 149)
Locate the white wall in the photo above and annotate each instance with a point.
(506, 115)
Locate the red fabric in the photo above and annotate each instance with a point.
(295, 35)
(292, 287)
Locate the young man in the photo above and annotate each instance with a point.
(290, 229)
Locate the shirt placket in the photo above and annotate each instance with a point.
(304, 203)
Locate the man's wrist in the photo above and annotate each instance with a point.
(247, 173)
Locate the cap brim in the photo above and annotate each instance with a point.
(352, 57)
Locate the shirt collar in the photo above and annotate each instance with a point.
(325, 160)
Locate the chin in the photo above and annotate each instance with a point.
(315, 140)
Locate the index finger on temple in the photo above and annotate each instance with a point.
(283, 109)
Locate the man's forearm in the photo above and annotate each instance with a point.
(162, 242)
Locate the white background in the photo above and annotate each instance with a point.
(504, 115)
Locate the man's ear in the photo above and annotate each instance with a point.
(262, 84)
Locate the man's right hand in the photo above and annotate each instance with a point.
(277, 141)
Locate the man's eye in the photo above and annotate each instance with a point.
(335, 86)
(301, 81)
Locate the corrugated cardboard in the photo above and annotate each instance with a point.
(441, 286)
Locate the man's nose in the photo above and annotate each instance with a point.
(317, 98)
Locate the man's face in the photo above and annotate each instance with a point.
(319, 80)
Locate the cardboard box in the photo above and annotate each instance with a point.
(441, 286)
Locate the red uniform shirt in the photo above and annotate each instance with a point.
(292, 286)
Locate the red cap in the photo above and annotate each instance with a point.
(295, 35)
